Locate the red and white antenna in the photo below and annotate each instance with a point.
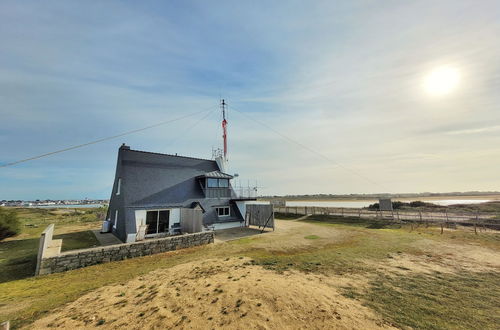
(224, 127)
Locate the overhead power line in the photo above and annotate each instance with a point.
(104, 139)
(303, 146)
(189, 128)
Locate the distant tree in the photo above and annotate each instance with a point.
(9, 223)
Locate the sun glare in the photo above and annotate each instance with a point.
(442, 81)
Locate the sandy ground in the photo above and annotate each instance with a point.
(231, 294)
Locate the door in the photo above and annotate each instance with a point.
(163, 219)
(152, 222)
(157, 221)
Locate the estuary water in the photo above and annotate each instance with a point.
(365, 203)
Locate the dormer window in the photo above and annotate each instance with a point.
(217, 183)
(212, 183)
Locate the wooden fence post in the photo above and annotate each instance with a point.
(475, 223)
(447, 219)
(441, 228)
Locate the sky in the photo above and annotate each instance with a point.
(324, 96)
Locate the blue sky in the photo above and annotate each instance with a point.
(342, 78)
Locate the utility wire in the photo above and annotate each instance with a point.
(309, 149)
(103, 139)
(190, 128)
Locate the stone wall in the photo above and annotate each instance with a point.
(87, 257)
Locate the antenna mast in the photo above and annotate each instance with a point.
(224, 125)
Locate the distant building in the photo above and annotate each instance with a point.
(385, 204)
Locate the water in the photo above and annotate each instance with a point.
(354, 204)
(446, 202)
(67, 206)
(365, 203)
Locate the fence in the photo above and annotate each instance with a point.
(490, 220)
(261, 215)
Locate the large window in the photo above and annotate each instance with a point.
(217, 183)
(157, 221)
(222, 211)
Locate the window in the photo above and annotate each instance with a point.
(119, 187)
(116, 219)
(222, 211)
(212, 183)
(157, 221)
(217, 183)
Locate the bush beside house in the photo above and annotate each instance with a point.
(9, 223)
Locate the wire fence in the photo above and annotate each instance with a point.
(443, 218)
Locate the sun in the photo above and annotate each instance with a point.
(442, 80)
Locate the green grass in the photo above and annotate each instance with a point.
(352, 222)
(439, 301)
(287, 216)
(311, 237)
(17, 259)
(344, 257)
(77, 240)
(18, 254)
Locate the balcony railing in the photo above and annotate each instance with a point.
(245, 192)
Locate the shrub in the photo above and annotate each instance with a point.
(9, 223)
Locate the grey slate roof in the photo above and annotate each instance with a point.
(151, 178)
(216, 174)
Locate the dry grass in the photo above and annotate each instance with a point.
(418, 279)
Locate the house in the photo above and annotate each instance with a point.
(158, 190)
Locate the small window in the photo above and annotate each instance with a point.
(223, 183)
(116, 218)
(119, 187)
(223, 211)
(212, 183)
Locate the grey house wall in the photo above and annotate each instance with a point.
(116, 202)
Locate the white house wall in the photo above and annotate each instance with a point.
(174, 217)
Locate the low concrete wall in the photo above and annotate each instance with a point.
(43, 246)
(88, 257)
